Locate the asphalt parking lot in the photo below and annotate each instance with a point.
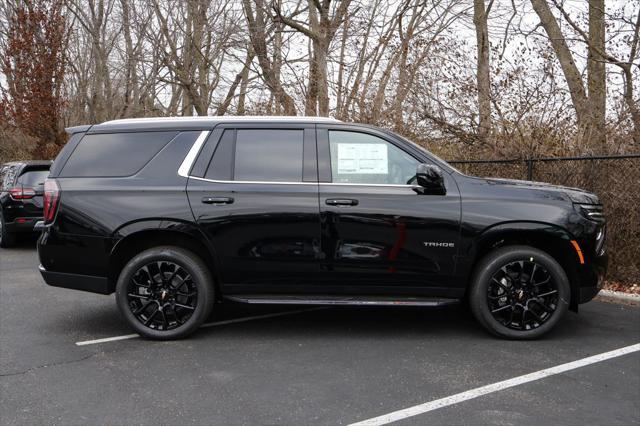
(318, 366)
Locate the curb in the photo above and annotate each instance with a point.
(619, 296)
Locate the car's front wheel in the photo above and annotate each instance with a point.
(519, 292)
(165, 293)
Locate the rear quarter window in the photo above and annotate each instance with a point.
(7, 177)
(33, 178)
(114, 154)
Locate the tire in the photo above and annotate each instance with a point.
(515, 285)
(176, 279)
(7, 239)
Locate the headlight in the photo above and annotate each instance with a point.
(591, 211)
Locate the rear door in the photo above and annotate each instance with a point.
(254, 192)
(379, 233)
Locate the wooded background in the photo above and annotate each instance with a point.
(466, 78)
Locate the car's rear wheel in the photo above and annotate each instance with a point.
(519, 292)
(7, 239)
(165, 293)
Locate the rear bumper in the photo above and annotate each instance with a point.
(22, 224)
(76, 281)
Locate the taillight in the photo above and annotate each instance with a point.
(51, 198)
(19, 193)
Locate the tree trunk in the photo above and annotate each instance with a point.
(596, 77)
(131, 93)
(323, 84)
(340, 89)
(480, 17)
(311, 101)
(244, 83)
(257, 35)
(568, 65)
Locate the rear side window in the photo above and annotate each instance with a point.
(114, 154)
(269, 155)
(7, 177)
(33, 178)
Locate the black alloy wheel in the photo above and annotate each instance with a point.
(165, 292)
(522, 295)
(162, 295)
(519, 292)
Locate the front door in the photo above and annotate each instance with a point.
(257, 201)
(379, 234)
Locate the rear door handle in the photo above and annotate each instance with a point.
(341, 202)
(217, 200)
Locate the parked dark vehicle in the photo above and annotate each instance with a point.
(21, 189)
(175, 214)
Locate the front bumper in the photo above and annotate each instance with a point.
(75, 281)
(591, 277)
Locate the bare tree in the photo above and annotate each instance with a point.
(596, 77)
(480, 17)
(92, 15)
(590, 108)
(560, 86)
(321, 28)
(257, 26)
(196, 34)
(598, 57)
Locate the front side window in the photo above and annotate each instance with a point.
(367, 159)
(269, 155)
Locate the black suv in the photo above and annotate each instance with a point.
(176, 214)
(21, 189)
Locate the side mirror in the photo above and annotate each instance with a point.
(430, 179)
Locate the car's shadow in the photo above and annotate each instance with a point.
(327, 322)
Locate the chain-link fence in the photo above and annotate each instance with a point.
(615, 179)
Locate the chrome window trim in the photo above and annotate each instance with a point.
(391, 185)
(254, 182)
(189, 159)
(265, 182)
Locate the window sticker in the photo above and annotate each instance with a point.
(362, 158)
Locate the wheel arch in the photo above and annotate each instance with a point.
(552, 239)
(140, 236)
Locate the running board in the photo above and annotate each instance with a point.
(284, 299)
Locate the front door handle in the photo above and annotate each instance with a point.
(217, 200)
(341, 202)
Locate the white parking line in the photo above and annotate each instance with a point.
(494, 387)
(211, 324)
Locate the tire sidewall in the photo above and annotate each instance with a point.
(193, 265)
(6, 239)
(491, 264)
